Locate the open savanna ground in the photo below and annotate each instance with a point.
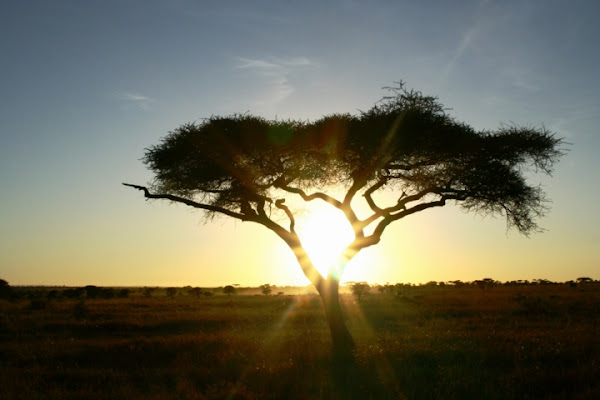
(502, 342)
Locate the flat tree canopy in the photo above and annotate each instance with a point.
(245, 167)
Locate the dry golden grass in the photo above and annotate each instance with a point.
(531, 342)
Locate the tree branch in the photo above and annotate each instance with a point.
(293, 241)
(279, 204)
(368, 194)
(191, 203)
(375, 237)
(356, 186)
(400, 205)
(290, 237)
(309, 197)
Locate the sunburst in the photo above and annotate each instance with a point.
(325, 234)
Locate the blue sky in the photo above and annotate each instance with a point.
(86, 86)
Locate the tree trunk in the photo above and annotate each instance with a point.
(343, 344)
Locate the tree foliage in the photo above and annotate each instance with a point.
(5, 290)
(266, 289)
(235, 165)
(360, 289)
(229, 290)
(244, 166)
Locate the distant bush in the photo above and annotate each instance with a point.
(266, 289)
(95, 292)
(229, 290)
(171, 292)
(485, 283)
(360, 289)
(5, 290)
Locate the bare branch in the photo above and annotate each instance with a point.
(309, 197)
(375, 237)
(368, 194)
(279, 204)
(190, 203)
(356, 186)
(401, 204)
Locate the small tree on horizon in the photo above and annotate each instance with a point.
(249, 168)
(229, 290)
(266, 289)
(360, 289)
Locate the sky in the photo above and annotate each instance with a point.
(87, 86)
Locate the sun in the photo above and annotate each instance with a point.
(324, 234)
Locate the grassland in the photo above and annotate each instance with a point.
(504, 342)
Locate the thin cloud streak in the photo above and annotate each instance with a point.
(276, 75)
(135, 99)
(466, 41)
(464, 44)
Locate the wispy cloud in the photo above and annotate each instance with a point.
(134, 99)
(276, 74)
(463, 45)
(468, 38)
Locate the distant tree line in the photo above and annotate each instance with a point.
(359, 289)
(485, 283)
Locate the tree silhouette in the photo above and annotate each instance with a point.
(229, 290)
(246, 167)
(5, 290)
(266, 289)
(360, 289)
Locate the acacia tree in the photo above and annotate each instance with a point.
(247, 168)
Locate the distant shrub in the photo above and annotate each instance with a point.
(266, 289)
(171, 292)
(360, 289)
(95, 292)
(5, 290)
(229, 290)
(123, 293)
(485, 283)
(147, 292)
